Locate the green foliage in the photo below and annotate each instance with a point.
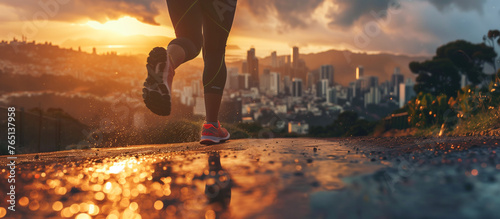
(427, 110)
(442, 74)
(436, 77)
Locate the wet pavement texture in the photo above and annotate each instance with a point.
(263, 178)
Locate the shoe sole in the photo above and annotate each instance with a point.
(208, 140)
(159, 103)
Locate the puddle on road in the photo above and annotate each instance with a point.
(261, 180)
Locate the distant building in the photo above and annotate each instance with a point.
(274, 59)
(244, 67)
(253, 67)
(360, 71)
(232, 79)
(196, 87)
(372, 96)
(265, 78)
(331, 96)
(244, 81)
(274, 83)
(187, 96)
(287, 85)
(372, 81)
(396, 79)
(199, 107)
(297, 87)
(326, 72)
(312, 79)
(406, 92)
(298, 127)
(322, 88)
(295, 56)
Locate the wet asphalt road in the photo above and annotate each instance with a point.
(263, 178)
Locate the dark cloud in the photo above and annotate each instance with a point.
(465, 5)
(351, 10)
(291, 13)
(71, 10)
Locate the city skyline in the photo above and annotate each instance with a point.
(377, 27)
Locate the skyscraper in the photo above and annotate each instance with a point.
(396, 79)
(406, 92)
(312, 79)
(274, 59)
(253, 67)
(295, 56)
(359, 72)
(274, 83)
(372, 82)
(265, 79)
(322, 88)
(331, 96)
(326, 72)
(297, 87)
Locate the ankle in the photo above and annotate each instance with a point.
(215, 124)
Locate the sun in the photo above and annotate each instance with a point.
(128, 26)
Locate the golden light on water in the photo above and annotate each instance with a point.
(23, 201)
(171, 185)
(3, 212)
(158, 205)
(57, 206)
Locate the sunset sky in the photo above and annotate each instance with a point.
(413, 27)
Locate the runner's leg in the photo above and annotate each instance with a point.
(217, 21)
(186, 19)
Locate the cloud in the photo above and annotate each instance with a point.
(349, 11)
(290, 13)
(464, 5)
(73, 10)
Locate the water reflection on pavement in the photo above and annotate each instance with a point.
(240, 179)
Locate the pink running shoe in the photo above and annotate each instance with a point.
(212, 135)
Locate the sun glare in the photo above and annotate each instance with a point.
(128, 26)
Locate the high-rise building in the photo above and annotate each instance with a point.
(287, 85)
(331, 96)
(372, 96)
(244, 81)
(295, 56)
(265, 78)
(360, 70)
(274, 83)
(196, 87)
(297, 87)
(351, 91)
(244, 67)
(232, 79)
(312, 79)
(253, 67)
(396, 79)
(326, 72)
(406, 92)
(322, 88)
(274, 59)
(372, 81)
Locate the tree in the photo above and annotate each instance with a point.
(438, 76)
(442, 74)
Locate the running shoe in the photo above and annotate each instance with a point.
(157, 91)
(212, 135)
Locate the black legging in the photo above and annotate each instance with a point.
(215, 17)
